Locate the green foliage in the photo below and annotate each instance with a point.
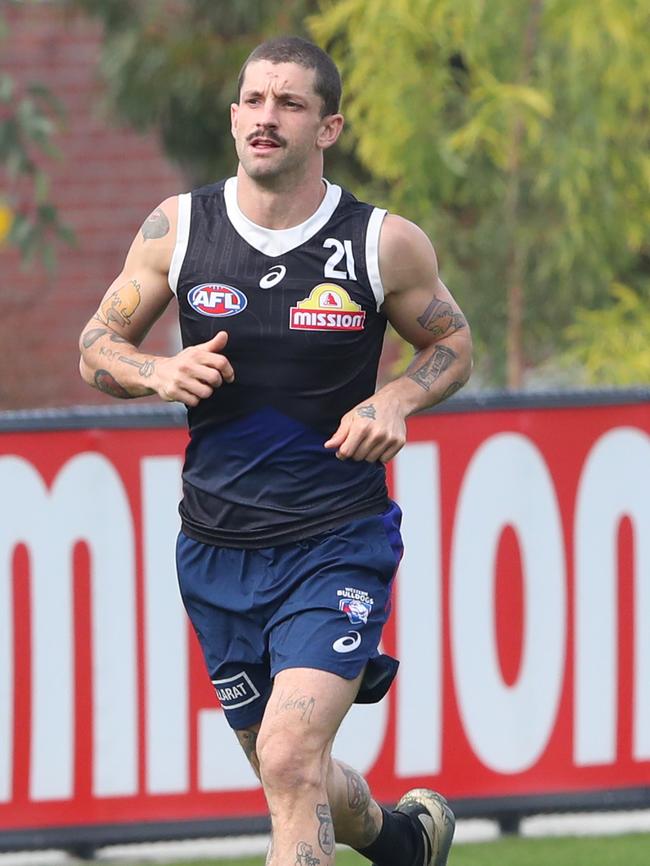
(517, 135)
(173, 66)
(612, 344)
(28, 124)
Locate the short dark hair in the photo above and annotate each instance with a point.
(294, 49)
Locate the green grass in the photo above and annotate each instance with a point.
(631, 850)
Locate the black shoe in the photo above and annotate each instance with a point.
(431, 814)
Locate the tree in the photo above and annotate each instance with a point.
(29, 121)
(172, 65)
(517, 134)
(612, 344)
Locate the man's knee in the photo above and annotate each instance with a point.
(292, 760)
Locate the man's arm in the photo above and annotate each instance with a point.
(110, 359)
(423, 311)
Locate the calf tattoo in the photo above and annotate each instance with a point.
(305, 855)
(435, 365)
(359, 804)
(325, 829)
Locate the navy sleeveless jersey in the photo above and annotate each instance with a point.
(301, 308)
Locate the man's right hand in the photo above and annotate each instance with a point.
(194, 373)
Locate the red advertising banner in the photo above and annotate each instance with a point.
(521, 618)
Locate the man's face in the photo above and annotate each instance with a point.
(277, 125)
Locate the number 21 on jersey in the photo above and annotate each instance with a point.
(341, 251)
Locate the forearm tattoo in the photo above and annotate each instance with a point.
(121, 305)
(109, 385)
(441, 319)
(367, 411)
(325, 828)
(91, 337)
(455, 386)
(433, 367)
(156, 225)
(305, 855)
(145, 368)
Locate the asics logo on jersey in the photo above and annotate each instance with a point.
(327, 308)
(214, 299)
(274, 276)
(348, 643)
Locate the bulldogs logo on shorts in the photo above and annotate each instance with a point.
(357, 611)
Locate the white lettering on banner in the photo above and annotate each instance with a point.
(615, 483)
(165, 636)
(31, 521)
(87, 503)
(223, 766)
(508, 484)
(419, 620)
(362, 734)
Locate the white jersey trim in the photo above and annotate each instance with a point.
(372, 254)
(182, 239)
(276, 242)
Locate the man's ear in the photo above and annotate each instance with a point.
(331, 127)
(234, 108)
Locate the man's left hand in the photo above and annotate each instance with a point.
(373, 430)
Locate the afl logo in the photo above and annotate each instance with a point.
(213, 299)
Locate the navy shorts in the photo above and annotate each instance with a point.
(316, 603)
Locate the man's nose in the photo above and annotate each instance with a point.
(268, 116)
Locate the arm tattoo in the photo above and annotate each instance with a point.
(441, 319)
(325, 828)
(106, 383)
(305, 855)
(108, 353)
(455, 386)
(367, 411)
(121, 305)
(91, 337)
(145, 368)
(156, 225)
(435, 365)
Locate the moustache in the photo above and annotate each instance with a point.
(269, 133)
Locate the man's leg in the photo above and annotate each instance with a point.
(358, 820)
(293, 746)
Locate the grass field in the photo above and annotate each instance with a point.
(630, 850)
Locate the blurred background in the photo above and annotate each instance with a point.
(515, 132)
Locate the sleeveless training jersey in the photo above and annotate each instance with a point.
(301, 308)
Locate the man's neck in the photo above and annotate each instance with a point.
(279, 208)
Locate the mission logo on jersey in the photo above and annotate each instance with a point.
(213, 299)
(328, 308)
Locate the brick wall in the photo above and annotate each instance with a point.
(106, 183)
